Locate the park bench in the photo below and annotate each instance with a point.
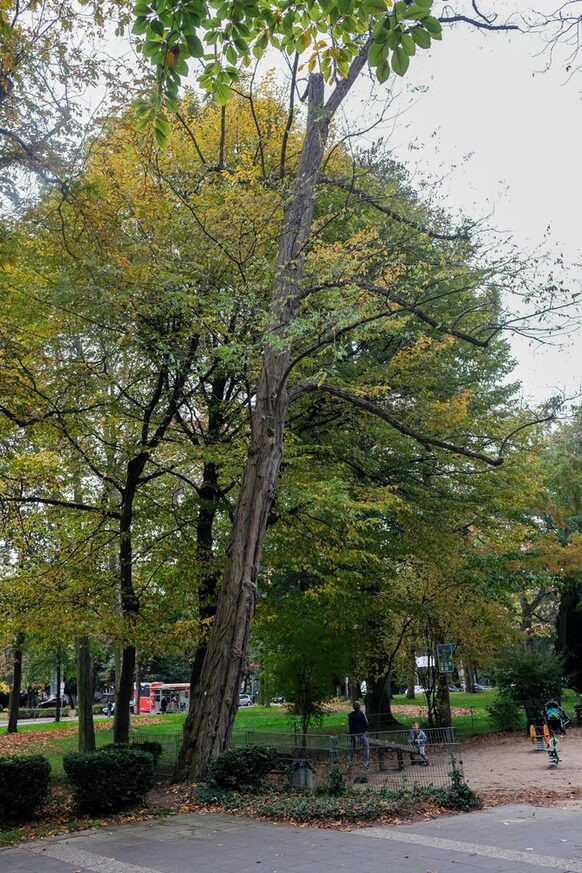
(384, 747)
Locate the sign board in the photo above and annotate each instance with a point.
(444, 653)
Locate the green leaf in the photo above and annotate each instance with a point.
(424, 4)
(195, 47)
(140, 26)
(400, 61)
(408, 44)
(161, 130)
(382, 72)
(156, 27)
(416, 12)
(393, 39)
(421, 37)
(433, 25)
(222, 94)
(377, 53)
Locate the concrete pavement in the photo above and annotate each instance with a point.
(504, 839)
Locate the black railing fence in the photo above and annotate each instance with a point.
(394, 762)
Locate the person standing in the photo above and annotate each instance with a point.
(358, 727)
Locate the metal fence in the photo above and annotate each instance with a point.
(394, 762)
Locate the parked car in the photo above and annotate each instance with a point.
(455, 688)
(418, 689)
(278, 698)
(109, 708)
(49, 703)
(245, 700)
(479, 687)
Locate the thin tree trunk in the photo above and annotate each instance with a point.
(442, 701)
(59, 679)
(14, 699)
(214, 697)
(469, 678)
(137, 704)
(129, 604)
(85, 695)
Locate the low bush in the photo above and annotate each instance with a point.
(335, 784)
(41, 713)
(154, 748)
(505, 714)
(458, 795)
(241, 769)
(109, 779)
(353, 806)
(24, 784)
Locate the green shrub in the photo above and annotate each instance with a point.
(530, 674)
(23, 712)
(241, 769)
(458, 795)
(24, 784)
(505, 713)
(111, 779)
(335, 784)
(154, 748)
(287, 805)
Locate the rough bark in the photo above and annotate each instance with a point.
(378, 709)
(59, 679)
(129, 602)
(442, 714)
(14, 699)
(85, 695)
(469, 678)
(214, 697)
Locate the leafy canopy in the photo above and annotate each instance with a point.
(225, 36)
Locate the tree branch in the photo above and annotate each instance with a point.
(367, 198)
(426, 441)
(67, 504)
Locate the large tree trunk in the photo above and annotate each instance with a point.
(14, 699)
(214, 698)
(378, 710)
(85, 695)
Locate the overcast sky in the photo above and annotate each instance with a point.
(490, 97)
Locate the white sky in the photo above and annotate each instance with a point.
(490, 97)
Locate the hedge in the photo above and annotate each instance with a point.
(241, 769)
(109, 779)
(24, 784)
(41, 713)
(154, 748)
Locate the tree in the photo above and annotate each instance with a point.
(214, 696)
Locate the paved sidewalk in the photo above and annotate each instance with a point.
(504, 839)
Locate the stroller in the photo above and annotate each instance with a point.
(555, 718)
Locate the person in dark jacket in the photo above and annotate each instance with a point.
(358, 727)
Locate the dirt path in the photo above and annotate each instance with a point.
(504, 768)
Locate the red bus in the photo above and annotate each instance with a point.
(176, 695)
